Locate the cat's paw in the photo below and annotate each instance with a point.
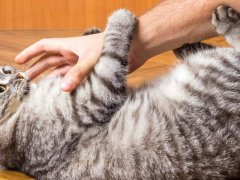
(225, 19)
(93, 30)
(122, 19)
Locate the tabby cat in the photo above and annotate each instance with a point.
(185, 125)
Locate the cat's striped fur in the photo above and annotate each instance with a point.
(182, 126)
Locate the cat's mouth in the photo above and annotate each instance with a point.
(22, 84)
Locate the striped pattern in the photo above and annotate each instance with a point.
(105, 87)
(185, 125)
(69, 121)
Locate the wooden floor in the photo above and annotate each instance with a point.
(12, 42)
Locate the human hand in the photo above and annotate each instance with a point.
(72, 58)
(233, 3)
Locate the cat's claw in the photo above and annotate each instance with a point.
(224, 19)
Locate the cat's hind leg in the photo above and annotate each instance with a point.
(227, 23)
(106, 85)
(109, 75)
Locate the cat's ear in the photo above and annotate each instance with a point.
(90, 31)
(188, 49)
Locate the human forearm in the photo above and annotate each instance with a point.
(171, 24)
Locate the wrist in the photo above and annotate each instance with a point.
(138, 52)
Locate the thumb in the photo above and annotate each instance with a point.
(76, 75)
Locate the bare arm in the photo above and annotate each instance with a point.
(169, 25)
(173, 23)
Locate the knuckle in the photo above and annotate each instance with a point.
(46, 65)
(41, 43)
(62, 61)
(76, 71)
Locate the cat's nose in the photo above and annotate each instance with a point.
(20, 76)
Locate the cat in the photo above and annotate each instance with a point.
(67, 120)
(184, 125)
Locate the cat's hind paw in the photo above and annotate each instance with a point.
(224, 19)
(90, 31)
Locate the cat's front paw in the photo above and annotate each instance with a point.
(225, 19)
(123, 19)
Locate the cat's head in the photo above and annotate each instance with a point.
(13, 87)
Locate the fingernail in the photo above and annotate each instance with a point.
(67, 85)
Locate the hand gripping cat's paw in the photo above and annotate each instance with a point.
(225, 19)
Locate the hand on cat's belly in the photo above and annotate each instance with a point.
(73, 58)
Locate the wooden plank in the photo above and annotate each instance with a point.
(13, 175)
(63, 14)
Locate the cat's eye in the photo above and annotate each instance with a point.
(7, 70)
(3, 88)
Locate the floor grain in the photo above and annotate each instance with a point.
(12, 42)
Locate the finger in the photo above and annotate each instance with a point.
(60, 71)
(44, 63)
(52, 45)
(77, 74)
